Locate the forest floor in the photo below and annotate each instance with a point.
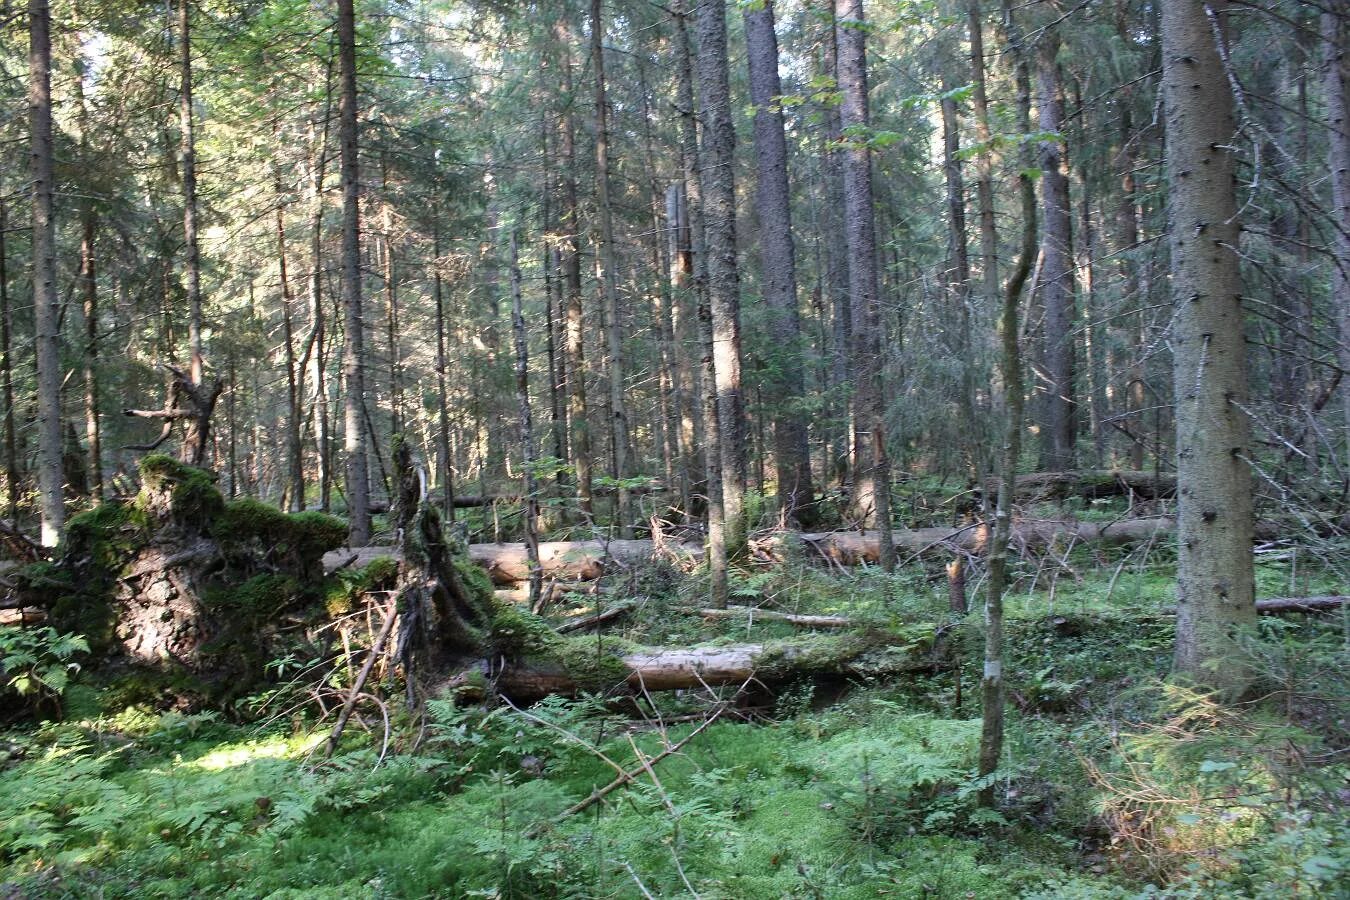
(1115, 784)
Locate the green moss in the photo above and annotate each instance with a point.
(260, 596)
(595, 664)
(342, 590)
(193, 494)
(248, 518)
(317, 532)
(474, 579)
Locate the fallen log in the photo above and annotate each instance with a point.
(600, 618)
(508, 564)
(850, 548)
(1279, 606)
(577, 560)
(1090, 484)
(753, 614)
(858, 655)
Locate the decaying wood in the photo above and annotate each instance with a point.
(508, 565)
(19, 545)
(1282, 605)
(753, 614)
(608, 615)
(376, 651)
(665, 669)
(1091, 484)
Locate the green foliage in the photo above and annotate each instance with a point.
(36, 664)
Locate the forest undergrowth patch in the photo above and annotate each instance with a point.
(1115, 783)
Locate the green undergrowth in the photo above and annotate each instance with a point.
(1114, 783)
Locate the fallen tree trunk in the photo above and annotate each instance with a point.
(850, 548)
(1279, 606)
(752, 614)
(1090, 484)
(845, 655)
(507, 564)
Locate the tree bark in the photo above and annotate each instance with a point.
(353, 362)
(608, 276)
(717, 167)
(46, 303)
(444, 464)
(792, 460)
(991, 682)
(574, 354)
(693, 166)
(1058, 405)
(295, 459)
(1336, 87)
(871, 480)
(7, 372)
(1215, 572)
(958, 278)
(531, 499)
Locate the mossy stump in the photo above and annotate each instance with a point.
(185, 582)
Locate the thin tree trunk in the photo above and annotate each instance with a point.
(792, 460)
(991, 683)
(719, 198)
(959, 286)
(295, 457)
(7, 372)
(570, 223)
(318, 359)
(1336, 86)
(836, 255)
(531, 499)
(871, 481)
(608, 275)
(391, 327)
(1059, 405)
(89, 285)
(46, 303)
(353, 362)
(1215, 573)
(445, 465)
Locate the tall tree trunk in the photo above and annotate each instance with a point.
(531, 498)
(570, 222)
(792, 460)
(1127, 236)
(674, 447)
(192, 270)
(984, 172)
(391, 325)
(608, 276)
(1215, 573)
(444, 463)
(295, 457)
(871, 480)
(1010, 364)
(1059, 405)
(89, 281)
(836, 251)
(318, 358)
(719, 212)
(7, 372)
(680, 258)
(353, 362)
(959, 286)
(1336, 86)
(89, 286)
(692, 165)
(46, 303)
